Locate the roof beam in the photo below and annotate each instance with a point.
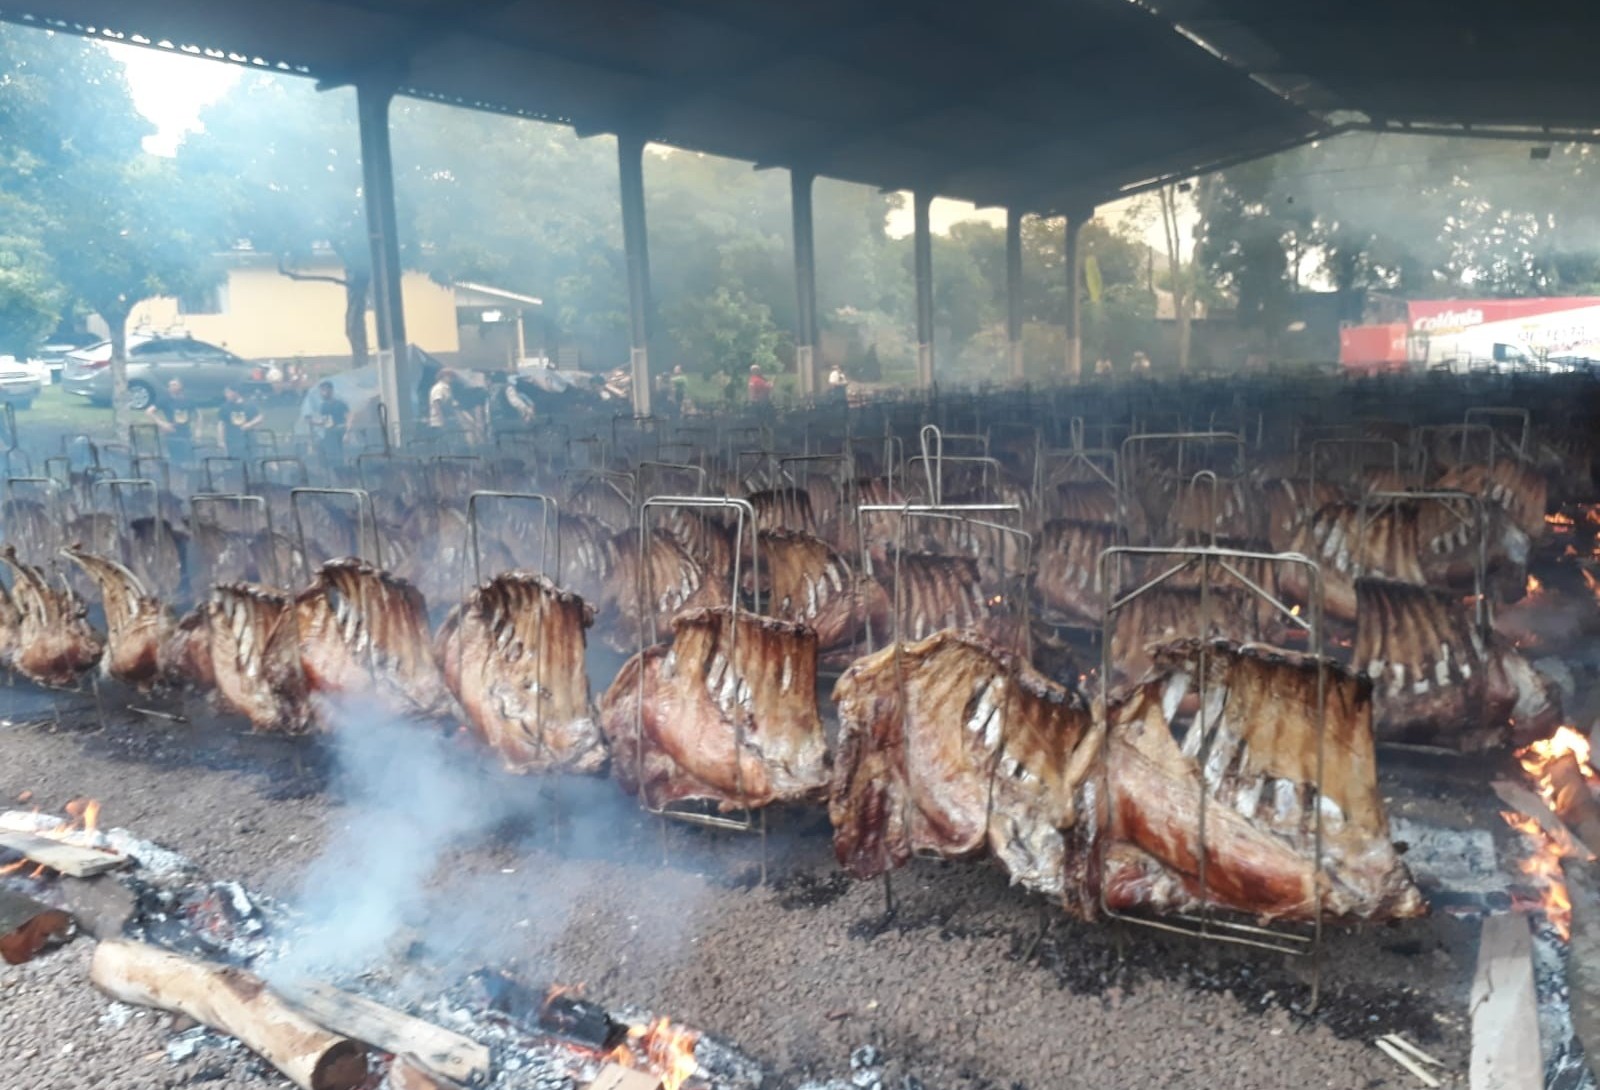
(390, 61)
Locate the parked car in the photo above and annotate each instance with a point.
(20, 381)
(204, 369)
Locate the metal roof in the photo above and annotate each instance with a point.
(1038, 104)
(1486, 67)
(1041, 105)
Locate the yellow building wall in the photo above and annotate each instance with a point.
(269, 316)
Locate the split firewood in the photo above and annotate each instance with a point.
(617, 1077)
(69, 859)
(1524, 801)
(1505, 1011)
(1583, 956)
(451, 1055)
(27, 927)
(1574, 803)
(410, 1073)
(234, 1002)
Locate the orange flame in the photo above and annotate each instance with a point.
(665, 1049)
(1536, 756)
(1543, 867)
(1560, 521)
(1535, 588)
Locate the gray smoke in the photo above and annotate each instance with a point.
(416, 806)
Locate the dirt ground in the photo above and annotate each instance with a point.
(969, 985)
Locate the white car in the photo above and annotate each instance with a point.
(21, 380)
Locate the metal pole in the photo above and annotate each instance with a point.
(395, 375)
(636, 244)
(1074, 263)
(1014, 291)
(923, 247)
(805, 280)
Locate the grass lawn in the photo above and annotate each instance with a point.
(56, 413)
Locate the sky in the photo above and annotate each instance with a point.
(171, 89)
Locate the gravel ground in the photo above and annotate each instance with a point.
(970, 985)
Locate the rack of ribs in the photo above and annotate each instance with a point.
(726, 713)
(1249, 746)
(55, 645)
(513, 656)
(138, 626)
(951, 746)
(363, 633)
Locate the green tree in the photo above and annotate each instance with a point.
(284, 162)
(88, 217)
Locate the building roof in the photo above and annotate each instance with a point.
(1041, 105)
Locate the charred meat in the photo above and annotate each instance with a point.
(363, 633)
(55, 644)
(138, 626)
(1249, 746)
(725, 713)
(952, 746)
(513, 656)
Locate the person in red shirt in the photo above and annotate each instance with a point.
(758, 388)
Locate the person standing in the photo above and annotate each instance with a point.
(240, 416)
(679, 385)
(758, 389)
(330, 423)
(173, 415)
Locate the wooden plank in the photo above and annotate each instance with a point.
(1505, 1012)
(69, 859)
(1583, 956)
(457, 1058)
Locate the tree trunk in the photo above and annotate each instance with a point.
(117, 318)
(356, 283)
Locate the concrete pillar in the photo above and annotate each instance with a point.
(396, 377)
(1074, 263)
(1014, 292)
(805, 281)
(922, 246)
(636, 245)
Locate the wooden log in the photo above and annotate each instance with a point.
(1524, 801)
(1573, 802)
(1505, 1013)
(410, 1073)
(28, 926)
(234, 1002)
(451, 1055)
(69, 859)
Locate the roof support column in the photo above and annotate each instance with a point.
(1014, 292)
(922, 246)
(636, 245)
(805, 281)
(395, 374)
(1074, 316)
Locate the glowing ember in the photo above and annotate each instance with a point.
(1543, 868)
(665, 1049)
(1560, 522)
(1534, 586)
